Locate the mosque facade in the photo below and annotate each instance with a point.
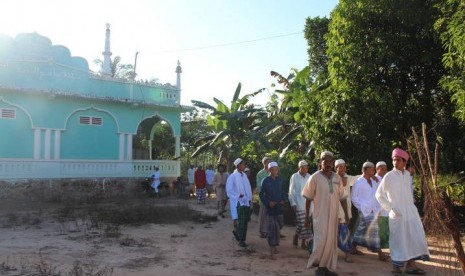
(59, 120)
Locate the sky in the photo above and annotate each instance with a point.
(219, 43)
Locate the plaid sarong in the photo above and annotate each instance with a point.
(343, 238)
(300, 230)
(243, 217)
(275, 223)
(367, 234)
(201, 195)
(383, 224)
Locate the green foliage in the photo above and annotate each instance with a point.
(450, 26)
(231, 126)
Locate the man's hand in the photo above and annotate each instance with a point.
(294, 208)
(272, 204)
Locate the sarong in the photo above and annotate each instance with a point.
(343, 238)
(275, 223)
(243, 217)
(300, 230)
(367, 234)
(383, 224)
(262, 219)
(201, 195)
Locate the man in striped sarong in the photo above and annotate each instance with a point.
(297, 202)
(272, 196)
(363, 198)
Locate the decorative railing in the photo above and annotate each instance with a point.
(53, 169)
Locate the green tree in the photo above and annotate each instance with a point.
(233, 127)
(450, 26)
(384, 68)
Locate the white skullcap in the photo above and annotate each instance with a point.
(339, 162)
(302, 163)
(368, 165)
(237, 161)
(326, 153)
(380, 163)
(272, 164)
(246, 169)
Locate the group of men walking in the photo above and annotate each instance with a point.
(386, 214)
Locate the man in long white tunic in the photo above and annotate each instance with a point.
(297, 201)
(325, 189)
(240, 196)
(407, 241)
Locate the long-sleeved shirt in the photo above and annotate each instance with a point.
(296, 185)
(210, 174)
(239, 191)
(272, 190)
(363, 196)
(260, 176)
(190, 175)
(200, 179)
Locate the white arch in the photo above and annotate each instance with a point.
(21, 108)
(156, 114)
(92, 107)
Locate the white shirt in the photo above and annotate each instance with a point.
(382, 212)
(296, 185)
(210, 174)
(363, 196)
(190, 175)
(238, 184)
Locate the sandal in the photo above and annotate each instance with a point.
(416, 271)
(383, 257)
(356, 252)
(397, 272)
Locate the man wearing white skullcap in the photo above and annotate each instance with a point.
(383, 218)
(325, 189)
(262, 217)
(363, 198)
(345, 210)
(297, 202)
(240, 196)
(272, 196)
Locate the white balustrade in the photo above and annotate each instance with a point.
(54, 169)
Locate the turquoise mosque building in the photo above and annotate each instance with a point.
(59, 120)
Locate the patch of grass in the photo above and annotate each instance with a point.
(139, 214)
(80, 269)
(6, 267)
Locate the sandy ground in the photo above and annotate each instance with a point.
(186, 248)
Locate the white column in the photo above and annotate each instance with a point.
(47, 142)
(177, 146)
(129, 146)
(121, 146)
(150, 150)
(56, 148)
(37, 147)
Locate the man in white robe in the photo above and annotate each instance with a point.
(240, 197)
(326, 190)
(407, 241)
(297, 202)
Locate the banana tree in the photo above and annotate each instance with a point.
(232, 126)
